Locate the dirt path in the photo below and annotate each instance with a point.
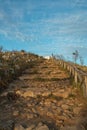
(42, 98)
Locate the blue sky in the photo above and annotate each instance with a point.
(44, 26)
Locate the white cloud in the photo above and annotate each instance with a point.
(60, 26)
(80, 3)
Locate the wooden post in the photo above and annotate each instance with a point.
(85, 91)
(64, 65)
(73, 71)
(75, 76)
(80, 78)
(67, 66)
(70, 69)
(60, 62)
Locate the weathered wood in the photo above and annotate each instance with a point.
(72, 71)
(85, 86)
(68, 67)
(65, 66)
(78, 75)
(80, 78)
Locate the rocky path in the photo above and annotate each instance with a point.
(42, 98)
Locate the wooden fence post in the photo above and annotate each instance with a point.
(85, 91)
(68, 67)
(64, 65)
(75, 77)
(79, 77)
(70, 70)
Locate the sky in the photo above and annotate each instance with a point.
(44, 27)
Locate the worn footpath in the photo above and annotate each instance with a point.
(43, 98)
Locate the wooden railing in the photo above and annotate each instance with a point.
(79, 76)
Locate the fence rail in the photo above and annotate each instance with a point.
(79, 76)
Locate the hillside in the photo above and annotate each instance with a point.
(41, 97)
(12, 64)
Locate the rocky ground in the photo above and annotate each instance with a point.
(43, 98)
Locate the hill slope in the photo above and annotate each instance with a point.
(43, 98)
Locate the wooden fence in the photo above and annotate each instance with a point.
(79, 76)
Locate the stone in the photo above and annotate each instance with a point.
(28, 94)
(15, 113)
(34, 110)
(31, 127)
(43, 127)
(71, 128)
(18, 92)
(62, 117)
(59, 110)
(63, 95)
(30, 116)
(49, 114)
(65, 128)
(40, 124)
(64, 106)
(76, 110)
(47, 103)
(18, 127)
(47, 93)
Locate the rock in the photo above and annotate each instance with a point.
(18, 127)
(63, 95)
(31, 127)
(61, 90)
(15, 113)
(62, 117)
(18, 92)
(47, 93)
(59, 110)
(43, 127)
(49, 114)
(64, 106)
(76, 110)
(30, 116)
(47, 103)
(72, 128)
(40, 124)
(28, 94)
(34, 110)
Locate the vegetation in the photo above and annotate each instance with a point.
(12, 64)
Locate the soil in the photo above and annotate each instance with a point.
(43, 93)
